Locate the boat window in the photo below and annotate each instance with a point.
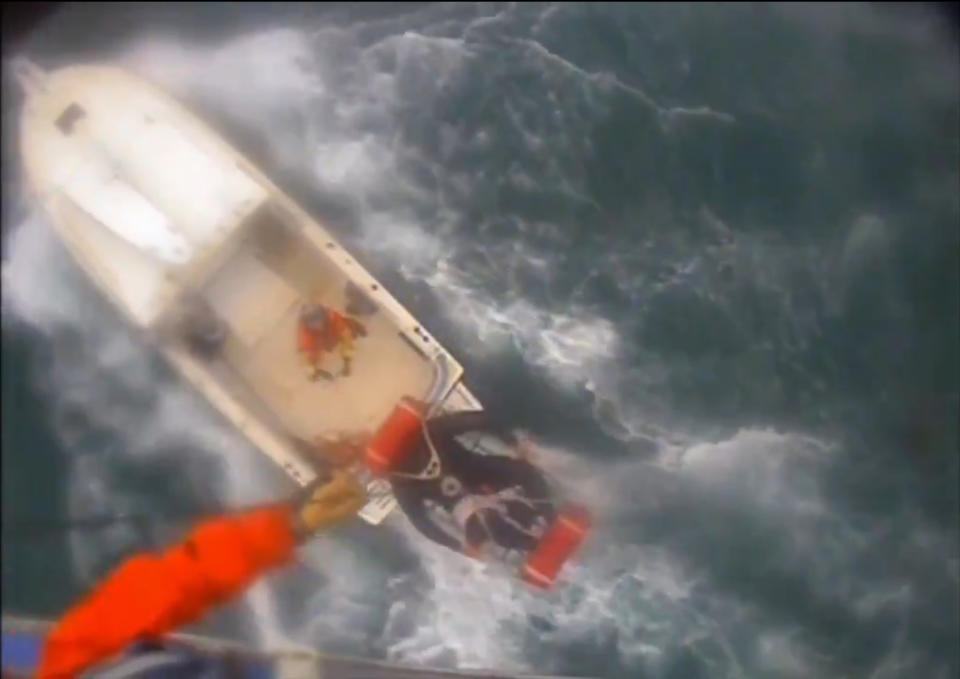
(70, 115)
(125, 211)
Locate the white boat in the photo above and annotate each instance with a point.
(190, 242)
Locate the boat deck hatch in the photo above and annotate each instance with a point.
(69, 117)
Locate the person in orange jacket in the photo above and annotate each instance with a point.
(152, 594)
(322, 329)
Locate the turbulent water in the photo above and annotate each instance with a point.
(707, 255)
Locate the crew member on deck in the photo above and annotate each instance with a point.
(321, 330)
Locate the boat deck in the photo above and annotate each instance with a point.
(257, 294)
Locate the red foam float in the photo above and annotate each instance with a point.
(557, 546)
(395, 439)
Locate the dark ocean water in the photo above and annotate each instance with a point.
(707, 254)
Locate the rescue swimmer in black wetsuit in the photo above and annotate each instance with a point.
(466, 500)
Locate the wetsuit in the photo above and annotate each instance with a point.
(473, 487)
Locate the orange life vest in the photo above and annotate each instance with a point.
(316, 340)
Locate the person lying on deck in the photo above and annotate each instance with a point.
(321, 330)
